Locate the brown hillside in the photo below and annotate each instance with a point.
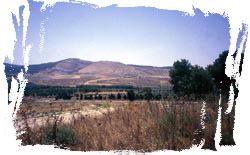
(72, 72)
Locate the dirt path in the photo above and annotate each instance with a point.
(43, 113)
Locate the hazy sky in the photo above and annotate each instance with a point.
(144, 36)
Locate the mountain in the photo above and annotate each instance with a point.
(73, 72)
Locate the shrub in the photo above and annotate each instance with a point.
(131, 95)
(63, 135)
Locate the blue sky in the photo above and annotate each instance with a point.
(143, 36)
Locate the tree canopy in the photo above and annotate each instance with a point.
(180, 77)
(195, 80)
(189, 80)
(217, 72)
(131, 95)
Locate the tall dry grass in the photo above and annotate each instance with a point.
(145, 126)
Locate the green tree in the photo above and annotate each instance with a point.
(111, 96)
(190, 80)
(180, 77)
(157, 96)
(217, 71)
(91, 97)
(119, 96)
(62, 94)
(200, 81)
(148, 95)
(131, 95)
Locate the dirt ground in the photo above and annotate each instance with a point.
(36, 112)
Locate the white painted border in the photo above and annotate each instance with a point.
(236, 12)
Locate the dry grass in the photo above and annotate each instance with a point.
(139, 125)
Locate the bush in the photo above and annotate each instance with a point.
(166, 124)
(131, 95)
(63, 135)
(148, 95)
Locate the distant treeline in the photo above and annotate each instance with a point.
(64, 92)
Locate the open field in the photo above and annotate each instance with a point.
(40, 110)
(116, 124)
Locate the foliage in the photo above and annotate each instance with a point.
(131, 95)
(188, 80)
(180, 77)
(63, 135)
(119, 96)
(111, 96)
(64, 94)
(217, 71)
(147, 93)
(157, 96)
(200, 81)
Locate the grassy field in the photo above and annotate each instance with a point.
(119, 125)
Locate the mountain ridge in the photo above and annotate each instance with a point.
(74, 71)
